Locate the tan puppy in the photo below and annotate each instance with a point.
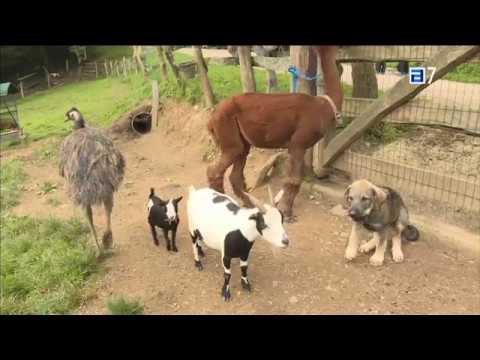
(382, 211)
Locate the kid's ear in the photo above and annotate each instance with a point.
(177, 200)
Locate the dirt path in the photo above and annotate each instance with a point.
(310, 277)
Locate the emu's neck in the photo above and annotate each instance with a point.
(333, 86)
(79, 124)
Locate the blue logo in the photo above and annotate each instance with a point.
(417, 75)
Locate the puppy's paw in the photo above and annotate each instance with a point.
(350, 253)
(376, 260)
(397, 255)
(365, 247)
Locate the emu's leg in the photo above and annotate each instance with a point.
(237, 178)
(89, 215)
(216, 172)
(293, 182)
(107, 239)
(243, 268)
(227, 275)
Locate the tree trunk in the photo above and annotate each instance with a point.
(306, 62)
(246, 70)
(203, 73)
(364, 80)
(137, 54)
(162, 62)
(171, 62)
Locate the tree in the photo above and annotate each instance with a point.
(246, 70)
(364, 80)
(203, 73)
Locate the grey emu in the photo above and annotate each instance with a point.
(94, 170)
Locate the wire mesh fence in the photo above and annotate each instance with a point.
(428, 148)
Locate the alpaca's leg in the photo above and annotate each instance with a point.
(89, 215)
(293, 182)
(107, 239)
(216, 172)
(237, 179)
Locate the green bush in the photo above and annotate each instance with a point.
(122, 306)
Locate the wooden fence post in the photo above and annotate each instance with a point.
(47, 76)
(21, 89)
(66, 65)
(246, 70)
(203, 73)
(117, 68)
(96, 70)
(124, 67)
(106, 68)
(306, 62)
(155, 100)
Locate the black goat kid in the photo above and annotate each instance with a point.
(163, 214)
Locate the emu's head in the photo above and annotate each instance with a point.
(76, 116)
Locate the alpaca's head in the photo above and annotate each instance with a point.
(76, 116)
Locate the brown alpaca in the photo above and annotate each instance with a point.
(292, 121)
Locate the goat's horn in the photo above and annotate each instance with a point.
(256, 203)
(270, 195)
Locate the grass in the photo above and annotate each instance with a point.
(44, 263)
(53, 201)
(47, 187)
(467, 73)
(122, 306)
(101, 101)
(12, 177)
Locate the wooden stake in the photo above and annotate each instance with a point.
(155, 100)
(246, 70)
(203, 73)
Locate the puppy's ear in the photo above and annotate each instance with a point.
(379, 195)
(345, 197)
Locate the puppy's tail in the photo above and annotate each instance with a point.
(410, 233)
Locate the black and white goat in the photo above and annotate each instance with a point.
(163, 214)
(216, 220)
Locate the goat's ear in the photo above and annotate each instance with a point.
(278, 197)
(152, 192)
(259, 220)
(177, 200)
